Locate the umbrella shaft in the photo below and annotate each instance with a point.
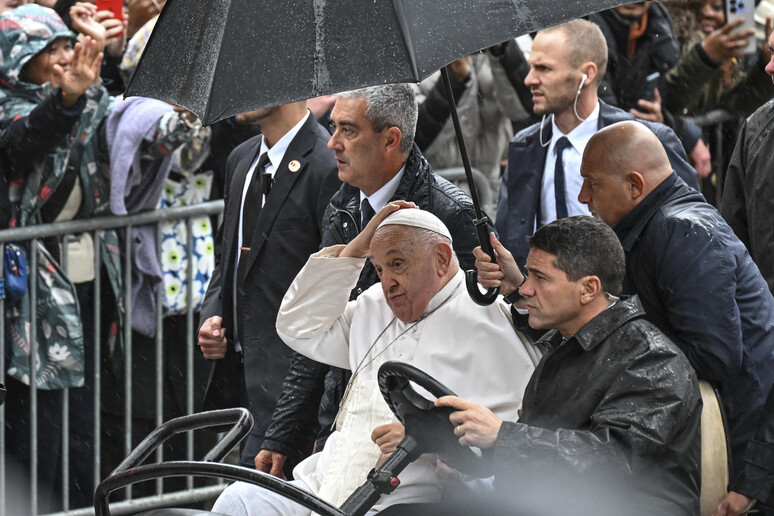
(461, 142)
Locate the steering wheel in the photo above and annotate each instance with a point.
(428, 424)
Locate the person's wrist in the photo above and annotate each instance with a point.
(516, 294)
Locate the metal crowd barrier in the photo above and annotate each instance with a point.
(96, 227)
(713, 125)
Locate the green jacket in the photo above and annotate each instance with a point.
(695, 87)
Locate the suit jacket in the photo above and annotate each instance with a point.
(287, 232)
(520, 189)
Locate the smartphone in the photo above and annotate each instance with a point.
(744, 9)
(649, 86)
(114, 6)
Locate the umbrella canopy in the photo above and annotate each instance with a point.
(219, 58)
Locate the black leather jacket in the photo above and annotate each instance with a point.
(609, 424)
(302, 392)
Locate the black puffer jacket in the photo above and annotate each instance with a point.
(609, 424)
(297, 407)
(657, 51)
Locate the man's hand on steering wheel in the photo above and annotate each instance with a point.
(474, 425)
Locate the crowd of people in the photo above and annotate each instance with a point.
(624, 279)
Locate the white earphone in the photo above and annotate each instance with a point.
(575, 104)
(580, 86)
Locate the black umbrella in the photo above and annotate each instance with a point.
(219, 58)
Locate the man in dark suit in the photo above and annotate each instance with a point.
(567, 64)
(278, 185)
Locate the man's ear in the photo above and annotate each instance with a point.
(443, 257)
(392, 139)
(591, 288)
(635, 184)
(591, 71)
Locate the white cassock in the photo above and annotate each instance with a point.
(473, 350)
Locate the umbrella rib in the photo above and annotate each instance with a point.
(400, 11)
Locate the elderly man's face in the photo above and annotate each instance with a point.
(408, 271)
(357, 147)
(552, 300)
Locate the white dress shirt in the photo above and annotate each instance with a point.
(382, 196)
(571, 159)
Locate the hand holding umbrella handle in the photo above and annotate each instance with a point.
(471, 281)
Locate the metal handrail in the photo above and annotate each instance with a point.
(110, 222)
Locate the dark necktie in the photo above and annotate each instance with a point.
(559, 182)
(366, 213)
(251, 209)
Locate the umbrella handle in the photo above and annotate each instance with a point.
(471, 280)
(478, 297)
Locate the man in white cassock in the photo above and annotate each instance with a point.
(419, 313)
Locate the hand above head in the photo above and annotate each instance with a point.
(504, 274)
(724, 44)
(82, 73)
(474, 425)
(212, 338)
(650, 109)
(82, 15)
(360, 245)
(271, 462)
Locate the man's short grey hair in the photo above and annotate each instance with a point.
(391, 105)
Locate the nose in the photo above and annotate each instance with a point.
(64, 56)
(583, 195)
(334, 143)
(526, 289)
(770, 66)
(530, 79)
(706, 10)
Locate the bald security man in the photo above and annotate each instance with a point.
(695, 279)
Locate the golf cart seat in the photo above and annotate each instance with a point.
(715, 460)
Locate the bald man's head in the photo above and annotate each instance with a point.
(621, 165)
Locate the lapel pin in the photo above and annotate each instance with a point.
(294, 166)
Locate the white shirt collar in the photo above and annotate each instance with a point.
(382, 196)
(277, 151)
(580, 135)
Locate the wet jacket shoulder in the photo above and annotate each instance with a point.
(748, 194)
(699, 285)
(631, 412)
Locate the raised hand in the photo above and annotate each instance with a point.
(82, 15)
(82, 72)
(724, 44)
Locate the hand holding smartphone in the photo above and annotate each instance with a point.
(745, 10)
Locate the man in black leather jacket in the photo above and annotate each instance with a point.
(370, 126)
